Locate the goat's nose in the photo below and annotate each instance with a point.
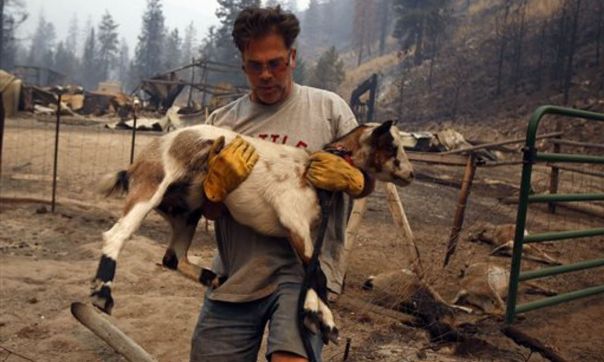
(411, 175)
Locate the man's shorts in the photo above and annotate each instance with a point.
(233, 331)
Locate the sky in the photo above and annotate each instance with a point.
(126, 13)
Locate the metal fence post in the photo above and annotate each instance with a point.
(136, 104)
(554, 179)
(56, 157)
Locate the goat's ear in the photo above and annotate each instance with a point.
(382, 129)
(217, 146)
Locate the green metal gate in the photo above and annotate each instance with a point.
(531, 156)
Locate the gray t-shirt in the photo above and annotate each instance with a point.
(255, 264)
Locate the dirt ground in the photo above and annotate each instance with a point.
(48, 259)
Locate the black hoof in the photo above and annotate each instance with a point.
(312, 322)
(330, 334)
(102, 299)
(170, 260)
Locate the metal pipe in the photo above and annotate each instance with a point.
(577, 170)
(577, 143)
(562, 235)
(560, 298)
(561, 269)
(530, 156)
(56, 156)
(565, 197)
(567, 157)
(134, 108)
(554, 179)
(525, 187)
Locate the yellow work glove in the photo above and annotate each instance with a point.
(332, 173)
(228, 168)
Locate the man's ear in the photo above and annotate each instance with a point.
(382, 129)
(294, 57)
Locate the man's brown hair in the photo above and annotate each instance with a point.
(254, 22)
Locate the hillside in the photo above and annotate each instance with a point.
(537, 41)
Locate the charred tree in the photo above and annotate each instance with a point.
(384, 11)
(501, 29)
(519, 32)
(560, 43)
(541, 61)
(599, 14)
(571, 50)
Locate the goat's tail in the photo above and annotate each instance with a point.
(113, 183)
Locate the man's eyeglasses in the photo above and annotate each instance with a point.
(274, 66)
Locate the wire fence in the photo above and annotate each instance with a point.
(86, 151)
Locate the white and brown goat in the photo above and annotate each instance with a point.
(275, 199)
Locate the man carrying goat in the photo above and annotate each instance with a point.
(261, 278)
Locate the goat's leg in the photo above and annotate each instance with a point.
(138, 205)
(183, 230)
(318, 315)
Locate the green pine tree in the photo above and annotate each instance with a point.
(329, 72)
(108, 45)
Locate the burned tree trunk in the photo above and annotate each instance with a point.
(384, 24)
(519, 33)
(541, 62)
(501, 29)
(600, 13)
(571, 51)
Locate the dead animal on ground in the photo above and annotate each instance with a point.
(484, 285)
(502, 238)
(403, 290)
(275, 199)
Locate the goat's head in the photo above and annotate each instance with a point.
(378, 150)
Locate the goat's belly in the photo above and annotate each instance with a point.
(257, 214)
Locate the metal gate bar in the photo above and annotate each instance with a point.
(560, 298)
(530, 157)
(565, 197)
(554, 270)
(561, 235)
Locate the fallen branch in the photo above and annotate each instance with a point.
(531, 343)
(102, 326)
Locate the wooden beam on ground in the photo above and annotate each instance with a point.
(402, 223)
(102, 326)
(532, 343)
(464, 193)
(501, 143)
(438, 158)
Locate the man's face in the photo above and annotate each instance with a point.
(269, 66)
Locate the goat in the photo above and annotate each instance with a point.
(405, 291)
(274, 200)
(484, 285)
(502, 238)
